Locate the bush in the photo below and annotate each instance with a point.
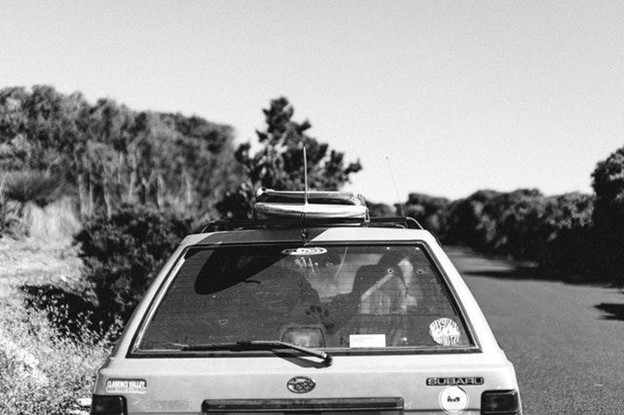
(567, 230)
(468, 224)
(123, 253)
(377, 210)
(608, 216)
(41, 371)
(517, 218)
(431, 212)
(32, 186)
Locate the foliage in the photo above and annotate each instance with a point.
(608, 216)
(278, 164)
(556, 232)
(516, 219)
(431, 212)
(30, 186)
(469, 224)
(567, 229)
(112, 155)
(123, 253)
(377, 210)
(42, 371)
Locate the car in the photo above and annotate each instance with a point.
(311, 307)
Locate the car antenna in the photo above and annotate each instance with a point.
(305, 176)
(396, 191)
(304, 231)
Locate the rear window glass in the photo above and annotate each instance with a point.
(354, 297)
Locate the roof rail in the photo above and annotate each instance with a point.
(229, 225)
(396, 221)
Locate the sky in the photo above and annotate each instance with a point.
(446, 96)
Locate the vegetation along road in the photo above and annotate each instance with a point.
(565, 341)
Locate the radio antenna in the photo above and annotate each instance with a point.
(305, 176)
(396, 191)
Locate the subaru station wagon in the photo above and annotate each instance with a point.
(312, 307)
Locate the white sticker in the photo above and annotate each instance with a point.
(367, 340)
(445, 332)
(305, 251)
(126, 386)
(453, 400)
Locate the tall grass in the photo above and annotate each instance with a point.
(42, 372)
(57, 221)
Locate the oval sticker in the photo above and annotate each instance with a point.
(301, 384)
(307, 251)
(445, 332)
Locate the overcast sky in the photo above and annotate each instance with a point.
(459, 96)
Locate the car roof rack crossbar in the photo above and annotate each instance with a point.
(250, 224)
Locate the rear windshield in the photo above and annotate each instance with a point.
(350, 297)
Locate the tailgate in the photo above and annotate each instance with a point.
(387, 384)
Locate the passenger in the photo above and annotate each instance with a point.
(402, 260)
(379, 300)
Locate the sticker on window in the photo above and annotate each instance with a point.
(305, 251)
(445, 332)
(367, 340)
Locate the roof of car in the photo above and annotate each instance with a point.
(341, 233)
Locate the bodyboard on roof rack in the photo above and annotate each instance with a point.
(265, 195)
(321, 205)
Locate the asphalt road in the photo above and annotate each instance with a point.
(565, 341)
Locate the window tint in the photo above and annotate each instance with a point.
(370, 297)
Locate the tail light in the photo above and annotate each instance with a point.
(108, 405)
(505, 402)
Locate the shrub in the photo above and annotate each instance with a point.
(123, 253)
(517, 217)
(31, 186)
(431, 212)
(608, 215)
(377, 210)
(468, 224)
(567, 230)
(41, 371)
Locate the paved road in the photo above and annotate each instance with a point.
(566, 341)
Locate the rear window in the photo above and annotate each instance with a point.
(345, 297)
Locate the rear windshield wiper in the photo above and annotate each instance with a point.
(325, 358)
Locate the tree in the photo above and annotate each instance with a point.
(608, 215)
(278, 164)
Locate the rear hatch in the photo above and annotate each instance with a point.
(422, 383)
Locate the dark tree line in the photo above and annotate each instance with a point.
(576, 235)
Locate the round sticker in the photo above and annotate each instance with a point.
(445, 332)
(453, 400)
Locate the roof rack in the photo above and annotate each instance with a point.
(377, 222)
